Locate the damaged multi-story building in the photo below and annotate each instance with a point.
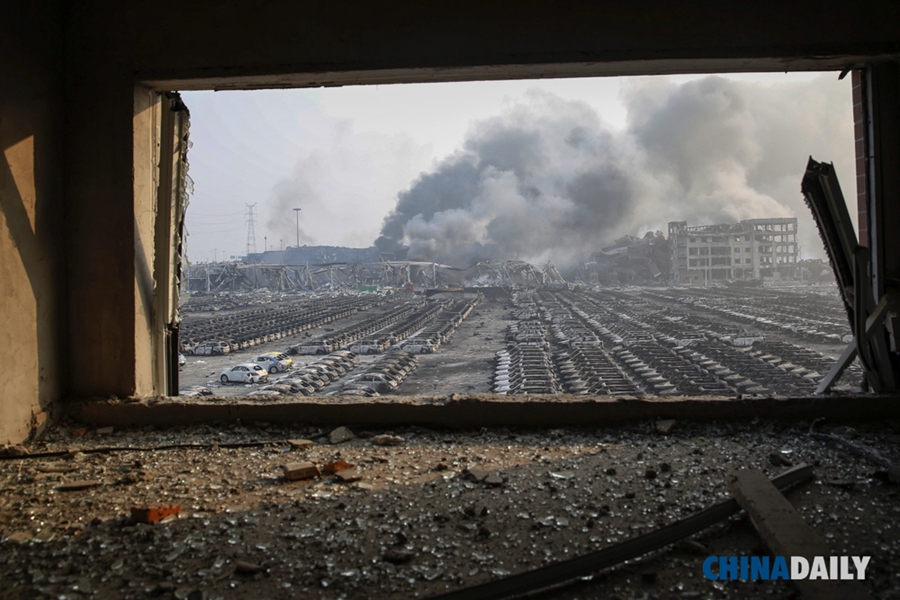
(750, 249)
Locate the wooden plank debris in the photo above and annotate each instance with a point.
(300, 444)
(55, 468)
(74, 486)
(787, 534)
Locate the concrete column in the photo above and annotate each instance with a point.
(882, 93)
(32, 215)
(109, 244)
(146, 126)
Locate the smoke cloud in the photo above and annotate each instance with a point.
(548, 180)
(342, 183)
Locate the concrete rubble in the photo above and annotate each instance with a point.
(339, 435)
(299, 470)
(445, 510)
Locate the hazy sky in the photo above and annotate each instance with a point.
(343, 155)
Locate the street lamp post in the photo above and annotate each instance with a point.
(266, 243)
(297, 212)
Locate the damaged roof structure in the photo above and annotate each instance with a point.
(511, 273)
(91, 172)
(233, 276)
(630, 260)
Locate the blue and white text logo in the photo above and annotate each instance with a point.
(720, 568)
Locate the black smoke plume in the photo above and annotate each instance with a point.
(548, 180)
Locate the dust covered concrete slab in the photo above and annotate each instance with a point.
(474, 410)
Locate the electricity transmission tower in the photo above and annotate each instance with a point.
(251, 232)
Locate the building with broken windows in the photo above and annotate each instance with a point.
(750, 249)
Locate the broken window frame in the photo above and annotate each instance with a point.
(173, 182)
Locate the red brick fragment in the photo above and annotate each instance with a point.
(153, 513)
(337, 466)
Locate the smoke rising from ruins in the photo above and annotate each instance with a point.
(548, 180)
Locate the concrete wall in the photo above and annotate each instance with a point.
(205, 44)
(170, 40)
(104, 129)
(32, 210)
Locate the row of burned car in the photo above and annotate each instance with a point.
(308, 379)
(380, 377)
(442, 328)
(432, 325)
(229, 333)
(372, 335)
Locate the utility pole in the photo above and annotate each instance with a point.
(251, 231)
(297, 212)
(266, 243)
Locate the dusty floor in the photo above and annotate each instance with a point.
(465, 364)
(417, 522)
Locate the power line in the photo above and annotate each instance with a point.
(191, 213)
(216, 232)
(209, 223)
(251, 231)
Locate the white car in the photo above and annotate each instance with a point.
(271, 363)
(244, 373)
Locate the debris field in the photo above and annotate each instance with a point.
(266, 511)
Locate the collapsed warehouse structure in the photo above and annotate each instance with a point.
(753, 249)
(93, 144)
(512, 272)
(233, 276)
(630, 260)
